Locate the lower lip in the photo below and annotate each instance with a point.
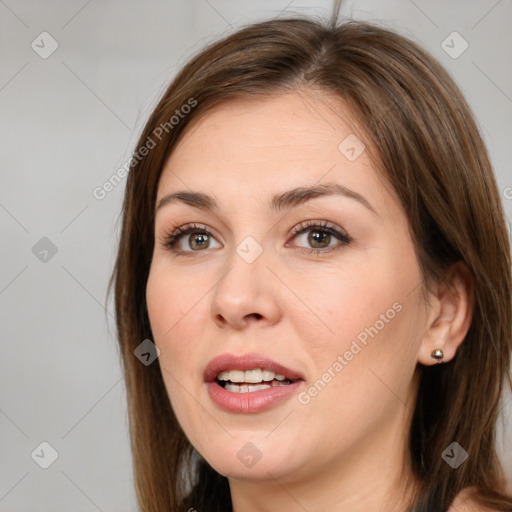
(253, 401)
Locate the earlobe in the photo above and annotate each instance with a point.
(450, 318)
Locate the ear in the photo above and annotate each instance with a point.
(449, 316)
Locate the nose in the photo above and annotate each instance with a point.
(247, 293)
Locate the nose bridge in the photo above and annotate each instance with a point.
(246, 266)
(246, 288)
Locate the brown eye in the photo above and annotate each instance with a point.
(198, 241)
(320, 237)
(199, 238)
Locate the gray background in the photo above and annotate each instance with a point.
(68, 122)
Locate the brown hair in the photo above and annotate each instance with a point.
(428, 148)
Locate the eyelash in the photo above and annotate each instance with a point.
(170, 239)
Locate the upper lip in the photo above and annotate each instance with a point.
(226, 362)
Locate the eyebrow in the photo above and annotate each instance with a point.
(282, 201)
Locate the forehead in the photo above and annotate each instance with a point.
(273, 123)
(271, 143)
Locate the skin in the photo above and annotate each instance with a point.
(346, 448)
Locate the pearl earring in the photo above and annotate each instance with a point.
(437, 354)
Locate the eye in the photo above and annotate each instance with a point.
(198, 239)
(319, 236)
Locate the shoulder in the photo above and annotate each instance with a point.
(465, 502)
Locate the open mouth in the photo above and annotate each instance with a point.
(249, 381)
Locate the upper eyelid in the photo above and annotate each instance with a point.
(322, 224)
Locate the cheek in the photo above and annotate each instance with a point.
(162, 301)
(360, 326)
(171, 298)
(173, 308)
(333, 307)
(362, 377)
(364, 371)
(171, 313)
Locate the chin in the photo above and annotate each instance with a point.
(260, 471)
(253, 458)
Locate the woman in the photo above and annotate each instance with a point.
(314, 241)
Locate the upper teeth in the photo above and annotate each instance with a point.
(252, 376)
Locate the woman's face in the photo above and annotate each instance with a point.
(325, 284)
